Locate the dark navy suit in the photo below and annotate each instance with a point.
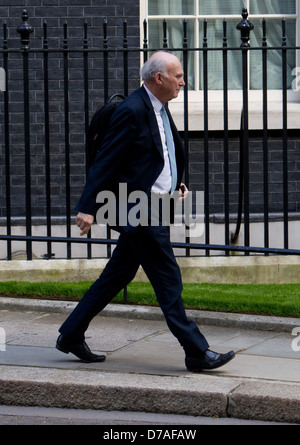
(132, 153)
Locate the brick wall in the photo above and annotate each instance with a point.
(256, 179)
(55, 13)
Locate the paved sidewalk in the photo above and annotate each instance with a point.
(144, 370)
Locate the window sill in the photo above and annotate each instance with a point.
(216, 117)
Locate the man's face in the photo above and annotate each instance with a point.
(172, 83)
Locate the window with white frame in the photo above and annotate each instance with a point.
(215, 11)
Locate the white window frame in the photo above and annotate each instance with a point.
(215, 98)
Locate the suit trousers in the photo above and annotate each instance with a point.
(150, 247)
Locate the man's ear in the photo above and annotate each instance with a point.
(158, 79)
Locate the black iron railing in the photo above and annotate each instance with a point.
(97, 73)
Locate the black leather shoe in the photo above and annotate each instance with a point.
(209, 360)
(81, 350)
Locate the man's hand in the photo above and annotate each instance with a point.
(183, 192)
(84, 222)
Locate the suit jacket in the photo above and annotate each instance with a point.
(131, 152)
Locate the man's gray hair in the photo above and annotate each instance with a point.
(153, 66)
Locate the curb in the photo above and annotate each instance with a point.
(225, 319)
(214, 396)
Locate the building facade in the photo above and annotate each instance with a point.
(76, 86)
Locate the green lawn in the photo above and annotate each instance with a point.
(267, 299)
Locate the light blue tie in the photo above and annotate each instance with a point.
(170, 146)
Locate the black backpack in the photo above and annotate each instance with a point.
(98, 127)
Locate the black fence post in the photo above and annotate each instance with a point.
(86, 110)
(48, 255)
(67, 135)
(165, 35)
(226, 135)
(285, 138)
(105, 60)
(125, 58)
(7, 144)
(245, 27)
(186, 98)
(186, 114)
(206, 144)
(145, 41)
(25, 30)
(265, 134)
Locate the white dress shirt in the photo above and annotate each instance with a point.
(163, 183)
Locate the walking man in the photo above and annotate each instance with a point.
(142, 149)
